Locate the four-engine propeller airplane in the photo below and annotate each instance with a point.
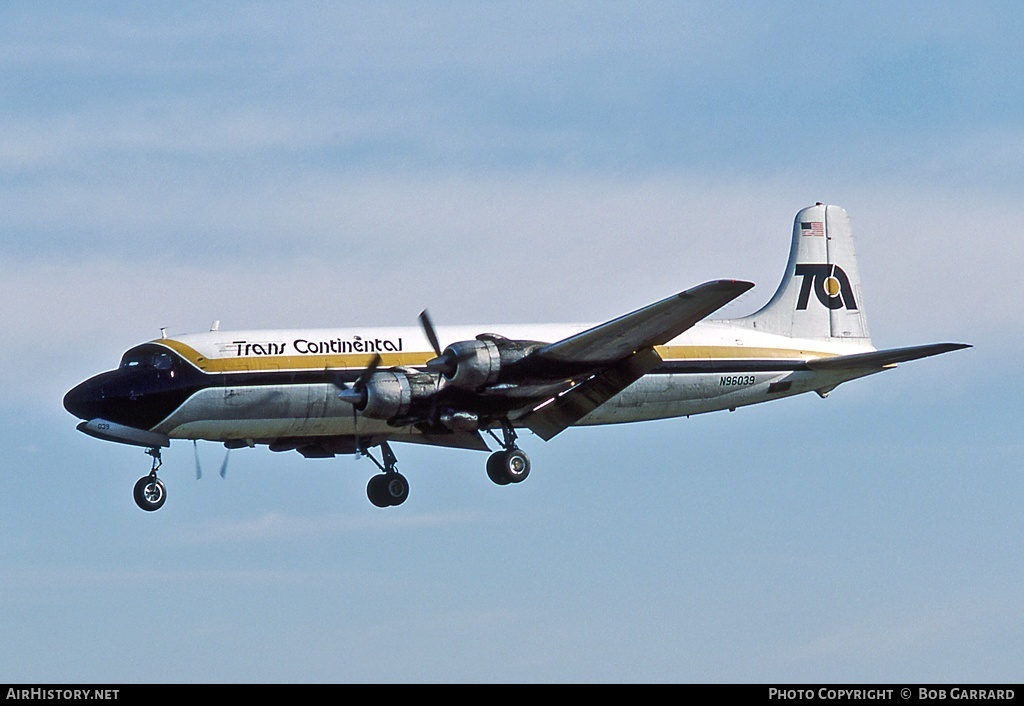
(327, 392)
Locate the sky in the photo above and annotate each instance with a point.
(333, 164)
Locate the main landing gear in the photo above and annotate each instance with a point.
(150, 493)
(390, 487)
(511, 464)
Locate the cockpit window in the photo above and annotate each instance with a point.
(135, 359)
(147, 358)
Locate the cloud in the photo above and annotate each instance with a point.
(476, 87)
(491, 164)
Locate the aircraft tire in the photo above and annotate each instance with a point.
(494, 469)
(396, 488)
(150, 493)
(387, 489)
(517, 465)
(510, 466)
(376, 491)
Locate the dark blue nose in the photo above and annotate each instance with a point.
(135, 396)
(84, 400)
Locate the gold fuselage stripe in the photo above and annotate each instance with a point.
(359, 361)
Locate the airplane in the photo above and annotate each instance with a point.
(349, 391)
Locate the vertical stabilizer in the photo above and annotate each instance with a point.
(820, 294)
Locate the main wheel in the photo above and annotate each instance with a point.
(150, 493)
(397, 488)
(517, 465)
(387, 489)
(495, 469)
(511, 466)
(376, 491)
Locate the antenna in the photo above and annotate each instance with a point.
(163, 332)
(215, 326)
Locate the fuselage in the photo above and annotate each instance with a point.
(280, 386)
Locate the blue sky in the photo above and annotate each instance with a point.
(333, 164)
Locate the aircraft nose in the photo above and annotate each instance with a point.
(83, 400)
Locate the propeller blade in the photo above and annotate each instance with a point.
(444, 362)
(355, 423)
(356, 395)
(199, 469)
(428, 328)
(224, 466)
(336, 378)
(368, 372)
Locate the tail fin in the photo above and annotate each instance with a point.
(820, 294)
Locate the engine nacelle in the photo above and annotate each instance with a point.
(391, 394)
(478, 363)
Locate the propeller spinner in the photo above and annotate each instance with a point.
(356, 395)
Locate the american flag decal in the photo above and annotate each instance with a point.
(812, 228)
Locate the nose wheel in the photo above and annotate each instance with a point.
(150, 492)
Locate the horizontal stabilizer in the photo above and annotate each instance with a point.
(882, 359)
(653, 325)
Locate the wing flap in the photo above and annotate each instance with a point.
(454, 440)
(653, 325)
(564, 410)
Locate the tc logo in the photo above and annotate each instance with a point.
(831, 286)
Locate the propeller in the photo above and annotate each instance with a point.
(356, 395)
(444, 362)
(428, 328)
(199, 468)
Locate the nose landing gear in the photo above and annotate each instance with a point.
(150, 493)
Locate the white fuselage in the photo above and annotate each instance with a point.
(715, 365)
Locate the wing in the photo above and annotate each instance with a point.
(653, 325)
(621, 351)
(568, 407)
(474, 384)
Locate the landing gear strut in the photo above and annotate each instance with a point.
(150, 493)
(390, 487)
(511, 464)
